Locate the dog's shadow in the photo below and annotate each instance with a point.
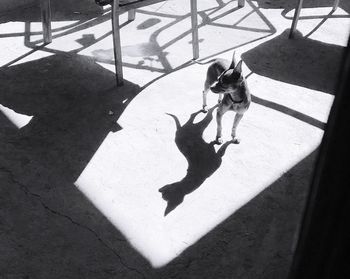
(201, 156)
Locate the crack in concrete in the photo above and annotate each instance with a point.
(52, 211)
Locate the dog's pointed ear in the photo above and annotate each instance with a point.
(233, 62)
(238, 67)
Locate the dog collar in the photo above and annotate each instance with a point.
(229, 94)
(235, 102)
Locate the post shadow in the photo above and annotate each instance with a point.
(201, 157)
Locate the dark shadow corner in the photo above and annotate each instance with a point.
(299, 61)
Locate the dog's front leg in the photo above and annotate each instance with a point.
(238, 118)
(219, 114)
(220, 98)
(205, 93)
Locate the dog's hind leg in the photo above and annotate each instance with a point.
(238, 118)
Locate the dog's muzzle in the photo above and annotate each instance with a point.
(214, 89)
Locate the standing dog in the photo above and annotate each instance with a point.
(225, 78)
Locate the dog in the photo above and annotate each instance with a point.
(225, 78)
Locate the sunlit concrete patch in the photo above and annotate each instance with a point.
(125, 174)
(283, 125)
(20, 120)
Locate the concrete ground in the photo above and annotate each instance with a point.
(82, 162)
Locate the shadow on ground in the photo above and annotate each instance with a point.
(48, 229)
(62, 10)
(299, 61)
(69, 97)
(201, 157)
(45, 221)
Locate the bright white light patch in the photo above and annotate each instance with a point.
(20, 120)
(124, 176)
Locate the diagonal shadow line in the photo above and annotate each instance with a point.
(132, 66)
(44, 47)
(291, 112)
(155, 13)
(320, 24)
(218, 8)
(184, 34)
(256, 30)
(244, 17)
(225, 13)
(234, 47)
(319, 17)
(80, 27)
(220, 2)
(22, 56)
(210, 21)
(201, 157)
(19, 34)
(262, 16)
(329, 15)
(182, 66)
(33, 33)
(207, 20)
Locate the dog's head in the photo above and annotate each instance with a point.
(229, 80)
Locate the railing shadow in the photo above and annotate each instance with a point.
(201, 157)
(87, 19)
